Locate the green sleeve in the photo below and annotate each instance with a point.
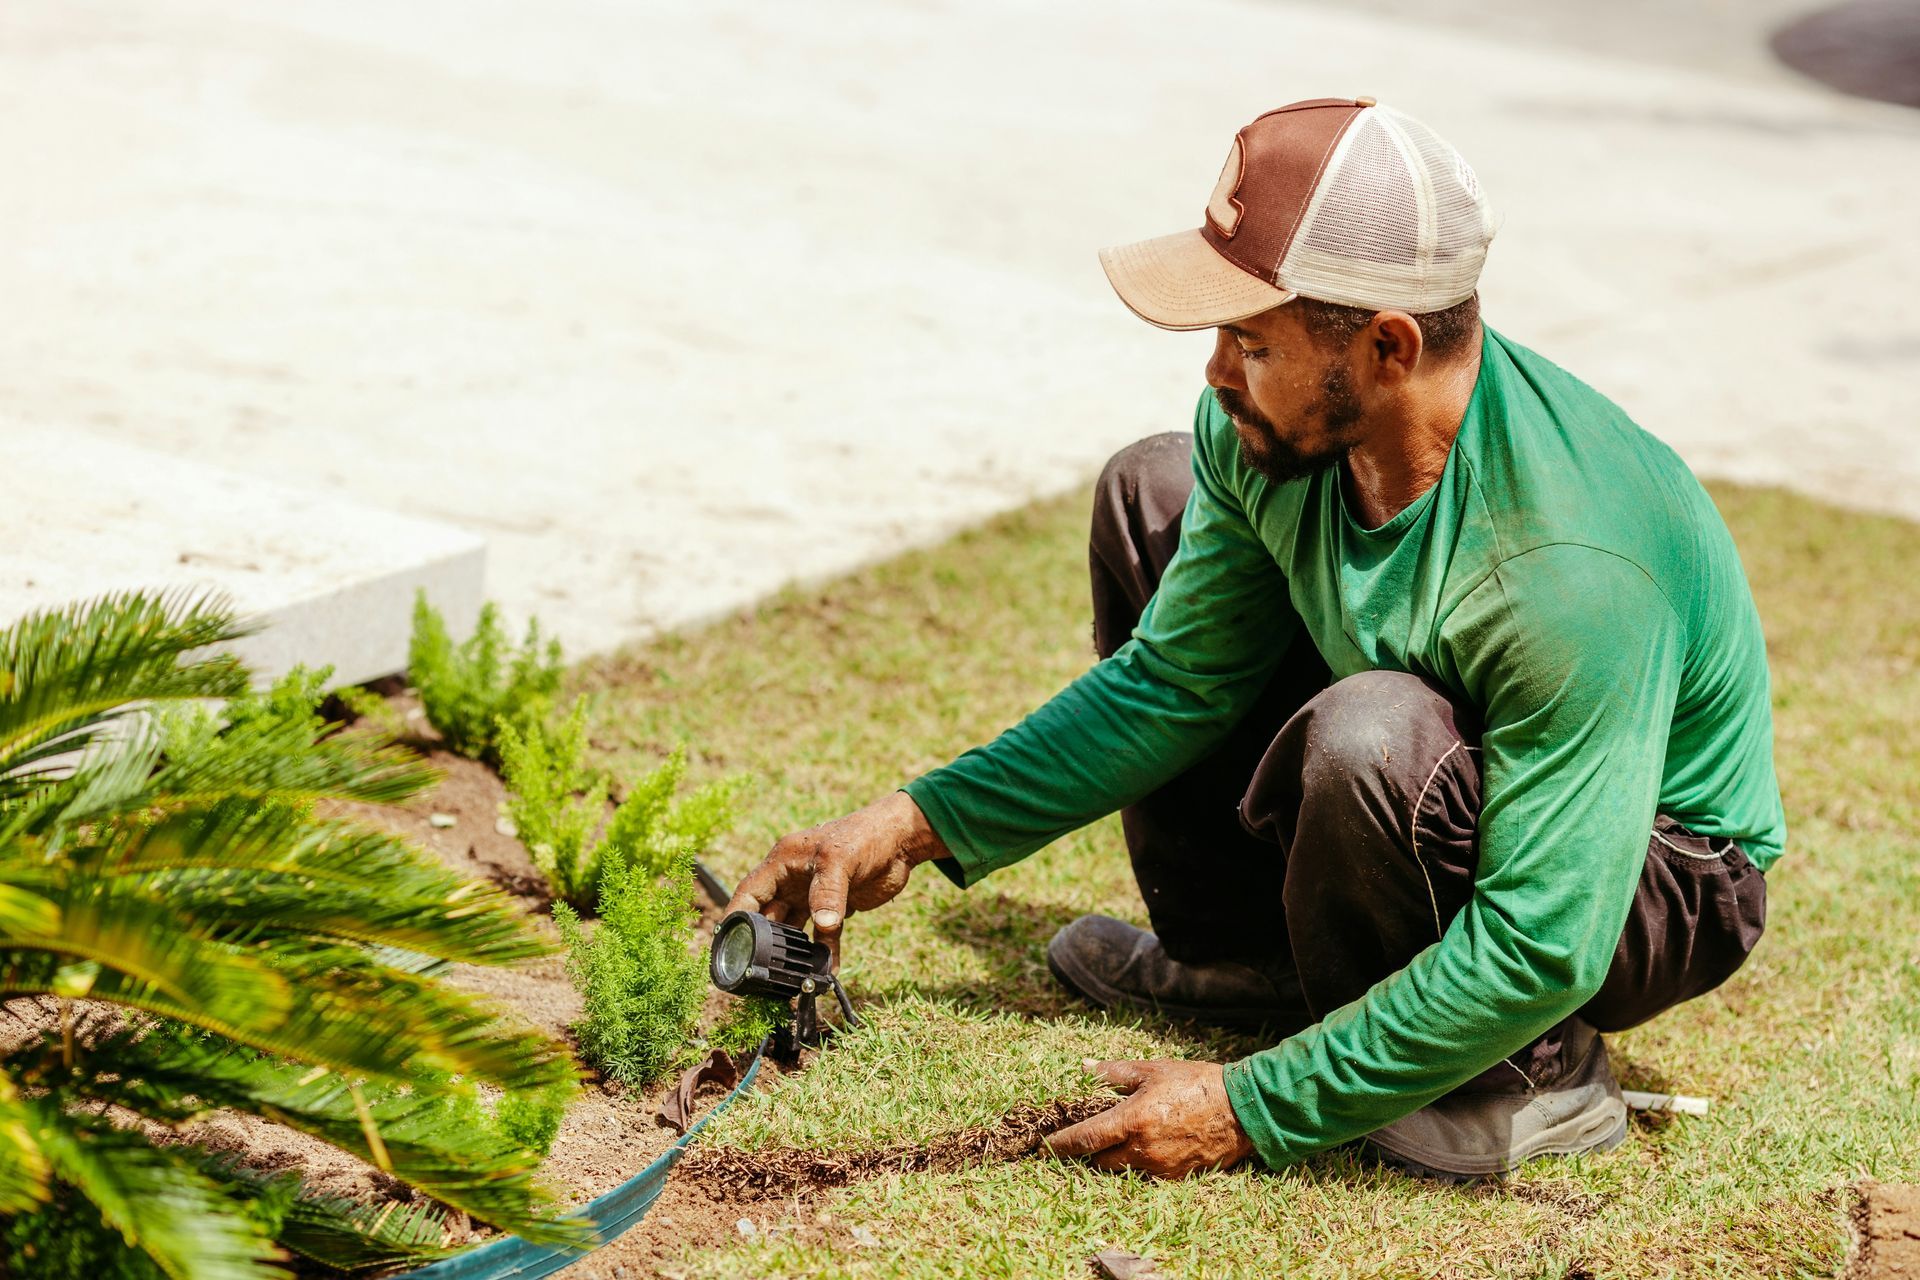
(1575, 657)
(1204, 649)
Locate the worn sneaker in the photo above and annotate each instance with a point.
(1487, 1127)
(1115, 965)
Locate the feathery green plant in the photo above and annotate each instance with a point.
(471, 689)
(558, 804)
(194, 877)
(641, 982)
(749, 1020)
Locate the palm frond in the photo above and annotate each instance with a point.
(275, 871)
(23, 1166)
(338, 1231)
(66, 672)
(160, 857)
(433, 1138)
(156, 1199)
(22, 911)
(406, 961)
(350, 1236)
(107, 781)
(352, 1016)
(145, 949)
(286, 757)
(359, 1016)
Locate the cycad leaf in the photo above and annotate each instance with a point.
(149, 949)
(350, 1236)
(155, 1198)
(349, 1015)
(359, 1016)
(22, 911)
(343, 1233)
(65, 672)
(23, 1166)
(276, 871)
(286, 759)
(107, 780)
(472, 922)
(430, 1137)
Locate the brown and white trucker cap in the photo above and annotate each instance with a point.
(1339, 199)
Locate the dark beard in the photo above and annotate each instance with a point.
(1279, 459)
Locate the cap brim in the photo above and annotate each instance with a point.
(1180, 282)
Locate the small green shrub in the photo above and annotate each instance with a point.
(641, 981)
(532, 1117)
(650, 827)
(470, 689)
(558, 803)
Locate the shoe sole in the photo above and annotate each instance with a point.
(1095, 992)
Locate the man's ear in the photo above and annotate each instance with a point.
(1397, 344)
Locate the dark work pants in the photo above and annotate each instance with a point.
(1334, 834)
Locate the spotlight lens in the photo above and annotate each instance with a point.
(734, 954)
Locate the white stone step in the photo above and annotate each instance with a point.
(333, 579)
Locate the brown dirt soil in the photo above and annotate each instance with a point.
(712, 1191)
(1888, 1226)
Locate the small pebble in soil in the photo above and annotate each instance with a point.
(863, 1236)
(746, 1228)
(505, 827)
(441, 820)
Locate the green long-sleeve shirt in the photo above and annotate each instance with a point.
(1569, 579)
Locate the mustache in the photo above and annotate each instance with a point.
(1235, 407)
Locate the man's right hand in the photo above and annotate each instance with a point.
(851, 864)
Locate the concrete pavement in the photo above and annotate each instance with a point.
(675, 303)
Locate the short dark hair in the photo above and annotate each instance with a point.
(1445, 333)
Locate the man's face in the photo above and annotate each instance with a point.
(1292, 399)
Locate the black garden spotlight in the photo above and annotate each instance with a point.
(755, 956)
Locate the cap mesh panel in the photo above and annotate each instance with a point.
(1397, 221)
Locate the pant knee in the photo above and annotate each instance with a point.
(1155, 473)
(1375, 722)
(1384, 792)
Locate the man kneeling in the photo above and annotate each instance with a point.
(1431, 692)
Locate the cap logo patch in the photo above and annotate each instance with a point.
(1223, 211)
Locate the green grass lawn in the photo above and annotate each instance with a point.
(830, 697)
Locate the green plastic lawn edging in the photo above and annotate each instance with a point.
(611, 1215)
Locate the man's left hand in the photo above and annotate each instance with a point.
(1175, 1120)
